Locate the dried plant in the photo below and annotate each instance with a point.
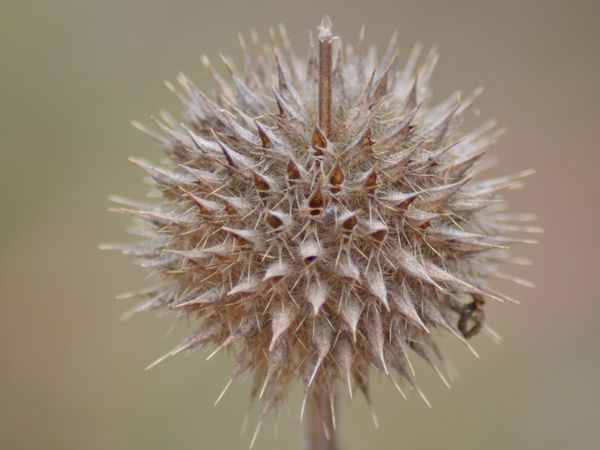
(321, 217)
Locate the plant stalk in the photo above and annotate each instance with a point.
(321, 428)
(325, 39)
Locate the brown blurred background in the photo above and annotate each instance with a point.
(74, 72)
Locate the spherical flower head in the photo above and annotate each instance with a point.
(320, 217)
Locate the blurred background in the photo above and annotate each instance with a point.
(75, 72)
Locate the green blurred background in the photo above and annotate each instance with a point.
(73, 74)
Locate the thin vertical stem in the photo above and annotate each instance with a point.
(325, 38)
(321, 426)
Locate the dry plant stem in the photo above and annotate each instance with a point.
(321, 430)
(325, 38)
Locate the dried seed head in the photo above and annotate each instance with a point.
(330, 221)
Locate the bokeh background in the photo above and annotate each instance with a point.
(72, 75)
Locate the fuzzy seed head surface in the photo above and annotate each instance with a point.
(313, 247)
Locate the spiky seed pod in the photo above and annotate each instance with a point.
(320, 217)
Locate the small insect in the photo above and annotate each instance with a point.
(472, 317)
